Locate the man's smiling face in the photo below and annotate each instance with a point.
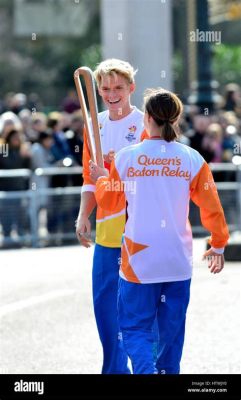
(115, 92)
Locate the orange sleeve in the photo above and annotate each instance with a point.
(109, 192)
(203, 193)
(85, 161)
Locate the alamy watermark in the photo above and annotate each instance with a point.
(206, 36)
(121, 186)
(24, 386)
(4, 149)
(237, 148)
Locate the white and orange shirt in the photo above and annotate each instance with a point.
(158, 179)
(114, 135)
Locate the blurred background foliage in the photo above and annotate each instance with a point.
(227, 63)
(226, 67)
(46, 65)
(226, 57)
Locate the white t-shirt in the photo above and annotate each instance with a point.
(114, 135)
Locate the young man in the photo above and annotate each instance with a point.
(120, 125)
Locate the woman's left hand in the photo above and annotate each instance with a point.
(215, 261)
(96, 171)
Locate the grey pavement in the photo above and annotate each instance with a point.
(47, 324)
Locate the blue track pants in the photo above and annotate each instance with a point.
(105, 278)
(138, 306)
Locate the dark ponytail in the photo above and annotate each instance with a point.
(165, 108)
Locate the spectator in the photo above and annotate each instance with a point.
(18, 102)
(39, 124)
(60, 148)
(26, 119)
(71, 102)
(58, 213)
(184, 132)
(12, 212)
(66, 121)
(212, 142)
(75, 136)
(8, 122)
(232, 97)
(200, 126)
(42, 158)
(230, 139)
(75, 140)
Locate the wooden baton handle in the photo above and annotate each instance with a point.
(95, 148)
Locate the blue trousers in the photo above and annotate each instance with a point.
(138, 306)
(105, 278)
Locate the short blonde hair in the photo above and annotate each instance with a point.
(113, 66)
(215, 129)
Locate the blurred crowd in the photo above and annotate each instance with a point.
(36, 140)
(217, 136)
(30, 138)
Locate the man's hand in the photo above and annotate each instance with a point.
(215, 261)
(109, 157)
(83, 230)
(96, 172)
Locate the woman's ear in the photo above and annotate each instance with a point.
(149, 118)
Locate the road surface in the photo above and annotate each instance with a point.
(47, 324)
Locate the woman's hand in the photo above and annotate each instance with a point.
(215, 261)
(96, 172)
(109, 157)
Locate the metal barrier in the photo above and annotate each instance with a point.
(42, 216)
(39, 216)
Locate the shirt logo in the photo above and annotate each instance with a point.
(131, 134)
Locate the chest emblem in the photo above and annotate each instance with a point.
(131, 134)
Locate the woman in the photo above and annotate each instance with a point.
(158, 177)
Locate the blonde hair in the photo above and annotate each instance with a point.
(165, 108)
(215, 130)
(113, 66)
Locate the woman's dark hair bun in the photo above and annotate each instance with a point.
(165, 108)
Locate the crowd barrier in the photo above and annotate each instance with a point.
(41, 216)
